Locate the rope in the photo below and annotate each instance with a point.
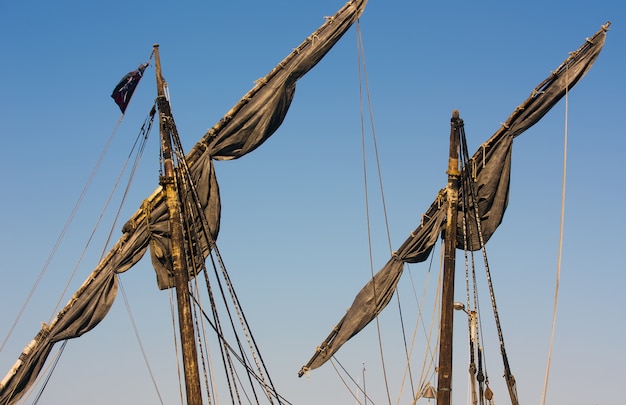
(428, 370)
(177, 352)
(142, 138)
(560, 249)
(364, 81)
(138, 337)
(57, 244)
(197, 228)
(62, 234)
(429, 357)
(49, 370)
(510, 380)
(334, 360)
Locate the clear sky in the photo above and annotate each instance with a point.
(294, 227)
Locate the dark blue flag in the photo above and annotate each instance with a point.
(126, 87)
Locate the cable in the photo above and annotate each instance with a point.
(560, 249)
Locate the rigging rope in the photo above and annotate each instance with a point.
(176, 346)
(560, 249)
(471, 192)
(48, 373)
(428, 369)
(63, 232)
(143, 134)
(363, 81)
(141, 139)
(197, 229)
(365, 97)
(138, 337)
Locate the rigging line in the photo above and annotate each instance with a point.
(560, 249)
(142, 139)
(470, 263)
(233, 351)
(510, 380)
(210, 383)
(469, 257)
(438, 302)
(63, 231)
(206, 233)
(428, 365)
(185, 185)
(217, 327)
(225, 349)
(433, 322)
(48, 373)
(138, 337)
(355, 396)
(204, 354)
(427, 334)
(469, 193)
(269, 389)
(334, 360)
(177, 352)
(363, 79)
(474, 321)
(243, 322)
(226, 359)
(229, 370)
(142, 136)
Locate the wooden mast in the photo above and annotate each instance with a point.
(179, 263)
(444, 382)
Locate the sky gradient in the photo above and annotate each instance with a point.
(294, 230)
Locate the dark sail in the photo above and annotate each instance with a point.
(492, 166)
(244, 128)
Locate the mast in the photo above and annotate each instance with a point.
(444, 382)
(179, 262)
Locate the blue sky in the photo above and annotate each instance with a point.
(294, 226)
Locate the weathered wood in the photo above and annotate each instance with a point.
(179, 262)
(444, 378)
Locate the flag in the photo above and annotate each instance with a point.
(126, 87)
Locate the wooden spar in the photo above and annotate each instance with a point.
(179, 262)
(444, 382)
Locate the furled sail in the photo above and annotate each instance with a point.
(490, 167)
(244, 128)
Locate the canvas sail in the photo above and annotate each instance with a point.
(243, 129)
(491, 169)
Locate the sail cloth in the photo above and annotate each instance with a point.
(243, 129)
(490, 167)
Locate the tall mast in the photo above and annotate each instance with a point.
(444, 382)
(179, 262)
